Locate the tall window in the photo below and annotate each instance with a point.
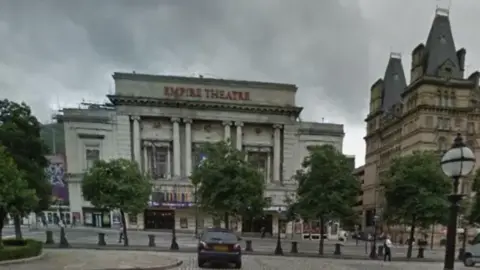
(91, 155)
(259, 160)
(197, 156)
(158, 161)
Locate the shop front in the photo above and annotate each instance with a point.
(94, 217)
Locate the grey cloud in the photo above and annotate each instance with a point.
(319, 45)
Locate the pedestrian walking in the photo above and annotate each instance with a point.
(262, 231)
(121, 237)
(388, 249)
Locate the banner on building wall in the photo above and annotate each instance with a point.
(56, 175)
(171, 199)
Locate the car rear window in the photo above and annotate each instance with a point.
(219, 236)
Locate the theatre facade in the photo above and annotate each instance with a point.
(162, 121)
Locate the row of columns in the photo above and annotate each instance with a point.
(188, 144)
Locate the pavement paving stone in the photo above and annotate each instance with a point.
(94, 260)
(289, 263)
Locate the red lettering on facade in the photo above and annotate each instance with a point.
(207, 93)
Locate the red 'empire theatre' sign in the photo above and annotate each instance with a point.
(207, 93)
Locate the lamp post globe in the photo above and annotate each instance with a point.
(457, 162)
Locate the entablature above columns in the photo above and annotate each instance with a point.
(202, 105)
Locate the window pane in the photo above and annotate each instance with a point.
(157, 161)
(91, 156)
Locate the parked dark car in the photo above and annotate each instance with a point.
(218, 245)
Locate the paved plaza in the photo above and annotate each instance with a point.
(89, 236)
(71, 259)
(99, 259)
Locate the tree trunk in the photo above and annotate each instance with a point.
(432, 236)
(322, 231)
(18, 228)
(124, 223)
(3, 215)
(410, 238)
(225, 220)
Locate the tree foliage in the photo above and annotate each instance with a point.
(473, 216)
(14, 188)
(20, 135)
(227, 183)
(327, 189)
(416, 191)
(117, 184)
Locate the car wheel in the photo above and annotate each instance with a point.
(238, 265)
(201, 263)
(468, 260)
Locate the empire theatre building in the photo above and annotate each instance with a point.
(162, 121)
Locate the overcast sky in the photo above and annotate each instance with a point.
(60, 52)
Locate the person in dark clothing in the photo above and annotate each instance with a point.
(262, 230)
(388, 249)
(121, 237)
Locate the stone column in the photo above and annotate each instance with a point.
(227, 131)
(169, 162)
(239, 142)
(188, 146)
(145, 157)
(269, 168)
(176, 147)
(276, 151)
(137, 156)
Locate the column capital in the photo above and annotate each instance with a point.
(239, 124)
(277, 126)
(227, 123)
(135, 117)
(175, 120)
(187, 120)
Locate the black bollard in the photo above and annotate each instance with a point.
(294, 248)
(421, 252)
(151, 240)
(461, 254)
(101, 239)
(249, 246)
(380, 251)
(338, 250)
(49, 235)
(63, 239)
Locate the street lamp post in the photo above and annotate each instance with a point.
(278, 249)
(373, 252)
(356, 234)
(196, 211)
(457, 162)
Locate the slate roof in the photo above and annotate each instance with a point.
(394, 82)
(440, 47)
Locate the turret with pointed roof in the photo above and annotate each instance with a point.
(394, 82)
(438, 57)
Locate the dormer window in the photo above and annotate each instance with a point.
(443, 39)
(395, 77)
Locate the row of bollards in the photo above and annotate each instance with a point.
(248, 248)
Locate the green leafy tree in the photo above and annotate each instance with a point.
(20, 134)
(473, 216)
(416, 192)
(117, 184)
(227, 184)
(327, 189)
(14, 188)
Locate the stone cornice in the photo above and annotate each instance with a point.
(203, 81)
(204, 105)
(452, 82)
(83, 118)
